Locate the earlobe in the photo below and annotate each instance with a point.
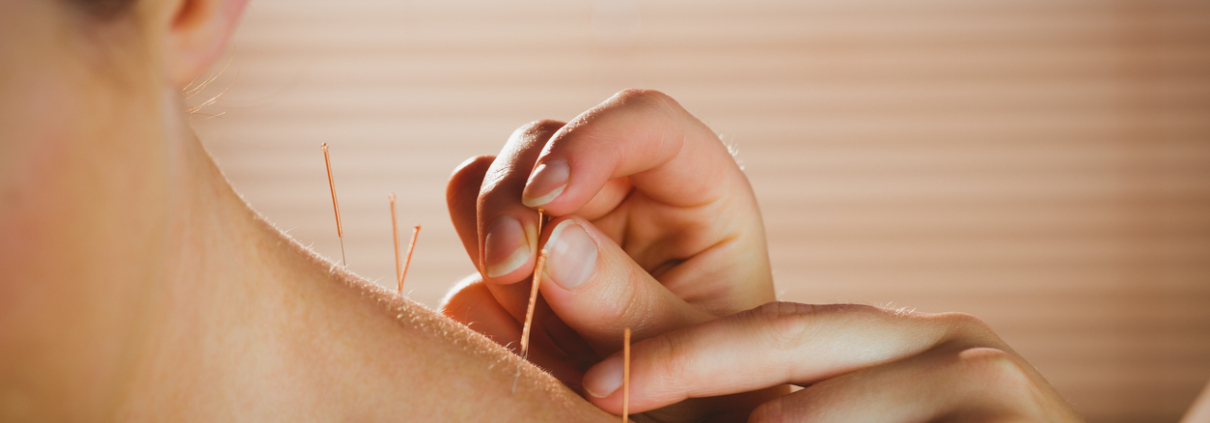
(198, 32)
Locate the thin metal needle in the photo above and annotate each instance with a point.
(626, 375)
(407, 264)
(395, 236)
(335, 205)
(529, 314)
(533, 300)
(343, 260)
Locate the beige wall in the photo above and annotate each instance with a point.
(1043, 165)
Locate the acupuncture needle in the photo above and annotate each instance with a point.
(335, 205)
(533, 300)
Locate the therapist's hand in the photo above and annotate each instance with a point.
(655, 228)
(857, 364)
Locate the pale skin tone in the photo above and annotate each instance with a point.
(138, 286)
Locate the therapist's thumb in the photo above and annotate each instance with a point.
(598, 290)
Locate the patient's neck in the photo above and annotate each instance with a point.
(223, 322)
(183, 304)
(132, 272)
(243, 321)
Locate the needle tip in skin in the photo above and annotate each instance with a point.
(335, 205)
(533, 300)
(408, 263)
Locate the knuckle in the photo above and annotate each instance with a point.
(477, 164)
(968, 329)
(647, 98)
(966, 322)
(995, 369)
(534, 134)
(495, 177)
(784, 324)
(540, 127)
(776, 309)
(463, 187)
(638, 94)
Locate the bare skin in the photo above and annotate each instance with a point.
(639, 160)
(137, 285)
(654, 228)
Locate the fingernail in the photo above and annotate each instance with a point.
(546, 183)
(505, 248)
(605, 378)
(572, 254)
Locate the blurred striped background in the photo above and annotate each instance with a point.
(1044, 165)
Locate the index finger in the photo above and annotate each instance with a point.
(666, 152)
(773, 344)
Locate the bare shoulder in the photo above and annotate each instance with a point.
(392, 355)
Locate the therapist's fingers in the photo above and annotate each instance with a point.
(666, 152)
(774, 344)
(507, 230)
(658, 181)
(949, 384)
(461, 198)
(598, 290)
(473, 305)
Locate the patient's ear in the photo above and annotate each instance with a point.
(198, 31)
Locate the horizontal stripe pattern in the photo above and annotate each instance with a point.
(1042, 165)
